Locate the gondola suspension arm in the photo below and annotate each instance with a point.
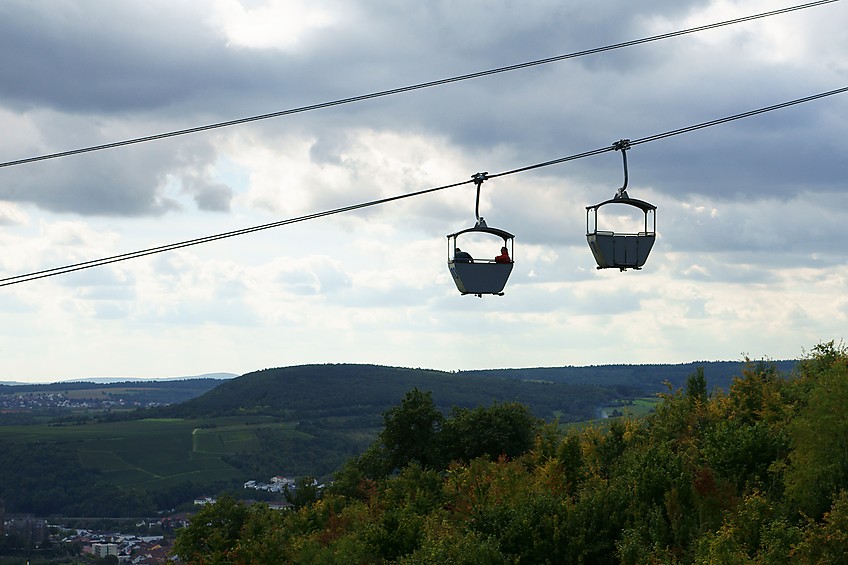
(478, 180)
(622, 145)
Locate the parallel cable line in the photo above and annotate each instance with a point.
(17, 279)
(739, 116)
(413, 87)
(197, 241)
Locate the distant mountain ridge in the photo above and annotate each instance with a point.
(719, 373)
(113, 380)
(649, 377)
(320, 391)
(217, 376)
(74, 395)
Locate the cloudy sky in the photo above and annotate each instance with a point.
(751, 252)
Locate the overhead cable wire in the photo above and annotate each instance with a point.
(738, 116)
(17, 279)
(413, 87)
(197, 241)
(678, 131)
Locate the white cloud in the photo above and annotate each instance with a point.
(279, 24)
(12, 214)
(749, 256)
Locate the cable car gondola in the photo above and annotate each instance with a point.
(475, 275)
(621, 250)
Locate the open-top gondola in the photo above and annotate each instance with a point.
(622, 249)
(479, 275)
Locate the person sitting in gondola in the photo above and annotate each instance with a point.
(461, 256)
(503, 257)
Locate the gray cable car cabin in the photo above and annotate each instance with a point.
(621, 250)
(618, 250)
(475, 275)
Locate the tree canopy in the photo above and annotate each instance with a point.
(754, 474)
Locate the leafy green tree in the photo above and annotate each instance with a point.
(398, 532)
(503, 429)
(758, 395)
(661, 503)
(446, 543)
(373, 463)
(818, 466)
(753, 532)
(213, 533)
(414, 487)
(827, 542)
(744, 454)
(410, 430)
(305, 492)
(696, 386)
(351, 480)
(570, 456)
(264, 537)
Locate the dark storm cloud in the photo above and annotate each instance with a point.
(139, 181)
(209, 196)
(94, 57)
(108, 56)
(97, 72)
(102, 57)
(153, 67)
(96, 185)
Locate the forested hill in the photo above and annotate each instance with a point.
(647, 378)
(315, 392)
(350, 390)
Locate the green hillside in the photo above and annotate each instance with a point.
(569, 393)
(647, 378)
(293, 421)
(131, 467)
(317, 392)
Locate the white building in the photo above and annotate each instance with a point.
(104, 549)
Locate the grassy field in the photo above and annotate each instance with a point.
(635, 407)
(154, 453)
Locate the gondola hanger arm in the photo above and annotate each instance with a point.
(622, 145)
(478, 180)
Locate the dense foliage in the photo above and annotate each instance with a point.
(315, 392)
(47, 478)
(314, 448)
(754, 474)
(643, 378)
